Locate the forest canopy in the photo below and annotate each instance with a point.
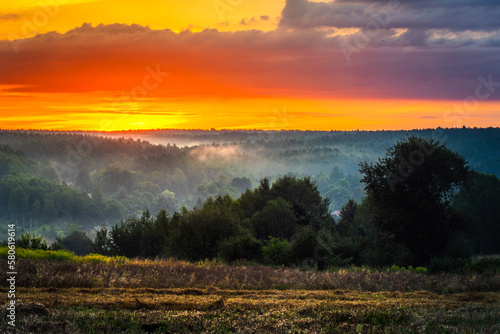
(281, 197)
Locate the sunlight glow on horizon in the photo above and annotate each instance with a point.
(78, 112)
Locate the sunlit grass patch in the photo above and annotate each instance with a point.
(62, 255)
(38, 254)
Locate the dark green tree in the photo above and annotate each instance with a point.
(480, 204)
(18, 202)
(198, 234)
(97, 195)
(276, 219)
(309, 207)
(241, 247)
(82, 180)
(242, 183)
(347, 214)
(303, 246)
(409, 193)
(77, 242)
(102, 243)
(31, 241)
(276, 252)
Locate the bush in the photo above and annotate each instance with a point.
(489, 265)
(40, 254)
(241, 247)
(32, 241)
(77, 242)
(276, 252)
(61, 255)
(445, 264)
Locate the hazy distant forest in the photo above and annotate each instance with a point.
(296, 198)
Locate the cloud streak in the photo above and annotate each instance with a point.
(423, 14)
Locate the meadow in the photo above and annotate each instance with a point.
(96, 294)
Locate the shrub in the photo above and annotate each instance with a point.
(489, 265)
(62, 255)
(276, 251)
(241, 247)
(31, 241)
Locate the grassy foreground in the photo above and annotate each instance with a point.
(135, 296)
(112, 310)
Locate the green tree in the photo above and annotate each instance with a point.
(309, 207)
(409, 193)
(347, 214)
(307, 204)
(241, 247)
(276, 219)
(479, 203)
(242, 184)
(97, 195)
(276, 252)
(36, 209)
(102, 243)
(83, 180)
(48, 172)
(77, 242)
(304, 245)
(31, 241)
(18, 201)
(49, 207)
(198, 234)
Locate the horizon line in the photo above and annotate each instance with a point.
(245, 130)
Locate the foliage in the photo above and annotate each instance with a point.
(409, 193)
(479, 203)
(143, 237)
(276, 219)
(124, 176)
(27, 195)
(276, 252)
(77, 242)
(243, 247)
(489, 265)
(31, 241)
(199, 234)
(61, 255)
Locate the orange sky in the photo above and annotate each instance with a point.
(117, 65)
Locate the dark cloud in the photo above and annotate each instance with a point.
(283, 62)
(8, 17)
(422, 14)
(115, 28)
(254, 20)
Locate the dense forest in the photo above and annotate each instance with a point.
(282, 197)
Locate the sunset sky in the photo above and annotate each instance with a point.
(245, 64)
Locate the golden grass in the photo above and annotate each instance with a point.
(202, 299)
(177, 297)
(212, 310)
(177, 274)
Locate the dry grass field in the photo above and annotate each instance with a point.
(178, 297)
